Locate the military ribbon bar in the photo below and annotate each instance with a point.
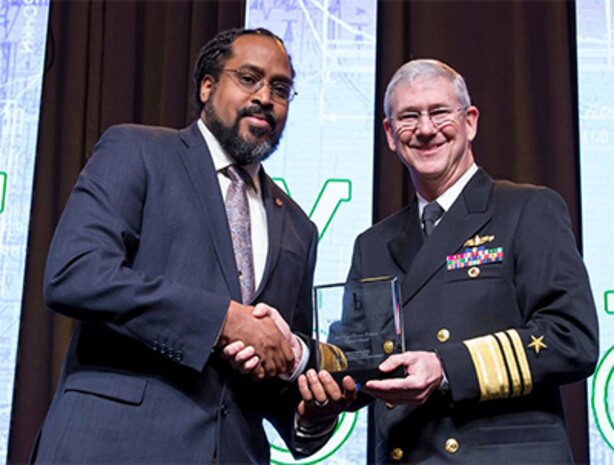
(474, 256)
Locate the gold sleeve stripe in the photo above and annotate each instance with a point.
(523, 363)
(512, 365)
(490, 367)
(478, 364)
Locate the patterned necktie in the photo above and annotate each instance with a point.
(431, 213)
(237, 210)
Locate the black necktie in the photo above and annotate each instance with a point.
(431, 213)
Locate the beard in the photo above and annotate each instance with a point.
(242, 150)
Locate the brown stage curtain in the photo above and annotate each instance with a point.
(108, 62)
(113, 61)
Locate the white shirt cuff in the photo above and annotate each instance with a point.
(300, 367)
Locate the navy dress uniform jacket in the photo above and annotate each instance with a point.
(509, 331)
(143, 259)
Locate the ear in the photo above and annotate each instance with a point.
(390, 135)
(471, 120)
(206, 87)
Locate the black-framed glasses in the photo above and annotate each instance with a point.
(252, 81)
(438, 116)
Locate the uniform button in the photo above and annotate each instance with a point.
(473, 272)
(388, 347)
(179, 356)
(452, 446)
(443, 335)
(396, 454)
(224, 410)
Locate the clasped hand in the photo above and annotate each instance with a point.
(259, 342)
(423, 375)
(323, 398)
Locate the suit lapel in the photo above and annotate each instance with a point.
(406, 245)
(275, 214)
(197, 159)
(467, 215)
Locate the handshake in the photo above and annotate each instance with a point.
(258, 341)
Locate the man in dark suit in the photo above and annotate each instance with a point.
(496, 300)
(146, 259)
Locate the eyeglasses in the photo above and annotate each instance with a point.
(251, 81)
(439, 117)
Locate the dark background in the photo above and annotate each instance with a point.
(116, 61)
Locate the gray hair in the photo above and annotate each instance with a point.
(429, 68)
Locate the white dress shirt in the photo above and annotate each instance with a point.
(446, 199)
(257, 213)
(258, 220)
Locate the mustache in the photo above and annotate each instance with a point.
(257, 110)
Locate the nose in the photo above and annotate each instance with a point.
(425, 125)
(264, 95)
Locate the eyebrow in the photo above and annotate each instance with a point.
(411, 109)
(262, 72)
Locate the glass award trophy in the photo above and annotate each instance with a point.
(358, 324)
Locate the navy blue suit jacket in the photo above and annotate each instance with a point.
(504, 404)
(142, 258)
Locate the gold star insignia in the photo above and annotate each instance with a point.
(537, 343)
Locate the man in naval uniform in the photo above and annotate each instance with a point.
(496, 300)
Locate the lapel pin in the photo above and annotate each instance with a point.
(279, 202)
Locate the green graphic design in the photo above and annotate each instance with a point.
(343, 430)
(283, 185)
(599, 399)
(606, 301)
(333, 193)
(2, 190)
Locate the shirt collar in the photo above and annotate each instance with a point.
(446, 199)
(221, 159)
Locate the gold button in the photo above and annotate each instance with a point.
(396, 453)
(278, 202)
(452, 446)
(388, 347)
(443, 335)
(390, 406)
(473, 272)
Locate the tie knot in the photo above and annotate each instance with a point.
(432, 212)
(238, 175)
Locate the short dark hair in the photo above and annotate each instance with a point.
(215, 53)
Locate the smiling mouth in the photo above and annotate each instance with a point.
(258, 120)
(428, 148)
(259, 117)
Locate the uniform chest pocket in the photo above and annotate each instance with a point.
(475, 273)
